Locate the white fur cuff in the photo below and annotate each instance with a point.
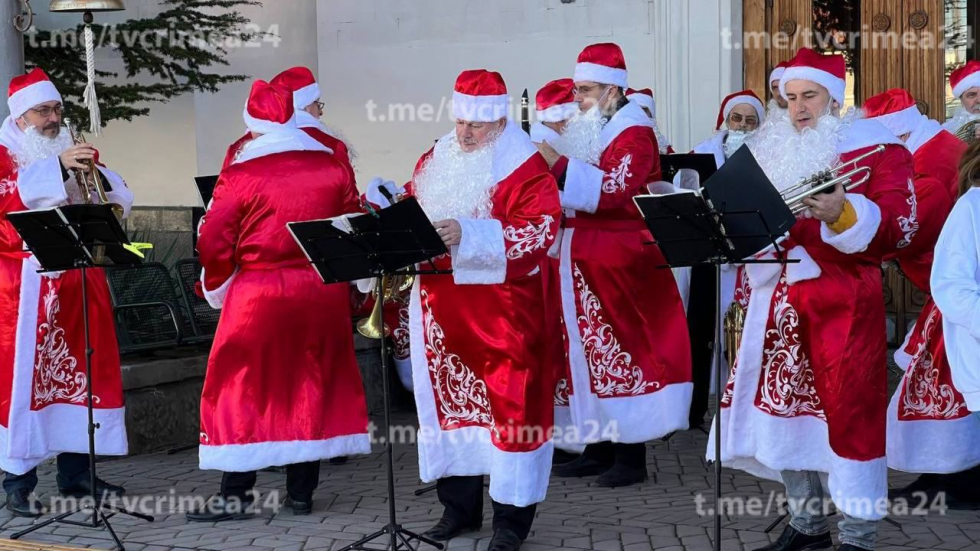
(216, 298)
(374, 195)
(481, 256)
(858, 237)
(583, 186)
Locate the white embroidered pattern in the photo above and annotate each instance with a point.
(462, 397)
(610, 368)
(55, 378)
(400, 335)
(526, 239)
(923, 395)
(788, 389)
(7, 186)
(561, 392)
(910, 224)
(617, 178)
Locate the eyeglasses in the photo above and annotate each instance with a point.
(46, 111)
(319, 105)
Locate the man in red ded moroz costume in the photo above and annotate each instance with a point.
(807, 398)
(282, 385)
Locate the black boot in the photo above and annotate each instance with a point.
(21, 503)
(791, 540)
(449, 527)
(82, 487)
(595, 460)
(630, 467)
(220, 508)
(504, 540)
(299, 508)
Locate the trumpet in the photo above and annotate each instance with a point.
(734, 323)
(968, 132)
(89, 181)
(825, 181)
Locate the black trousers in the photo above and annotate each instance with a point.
(301, 481)
(462, 496)
(702, 309)
(72, 467)
(630, 455)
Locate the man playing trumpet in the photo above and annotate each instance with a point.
(806, 400)
(42, 371)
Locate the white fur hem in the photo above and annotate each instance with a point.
(583, 186)
(933, 446)
(481, 256)
(857, 238)
(40, 185)
(252, 457)
(216, 298)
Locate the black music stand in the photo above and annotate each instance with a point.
(386, 243)
(711, 228)
(79, 237)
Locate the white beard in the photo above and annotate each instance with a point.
(959, 118)
(454, 184)
(734, 140)
(580, 138)
(788, 156)
(774, 111)
(38, 147)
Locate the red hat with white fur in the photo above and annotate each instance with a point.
(746, 97)
(965, 77)
(644, 98)
(896, 110)
(602, 63)
(555, 102)
(829, 71)
(777, 72)
(269, 108)
(480, 96)
(27, 91)
(302, 83)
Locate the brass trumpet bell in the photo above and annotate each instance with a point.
(968, 132)
(373, 326)
(82, 6)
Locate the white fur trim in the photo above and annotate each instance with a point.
(776, 74)
(564, 425)
(518, 479)
(120, 194)
(480, 108)
(715, 145)
(805, 269)
(901, 122)
(305, 96)
(216, 298)
(19, 442)
(644, 101)
(373, 192)
(683, 278)
(35, 94)
(747, 100)
(280, 141)
(857, 238)
(40, 185)
(934, 446)
(481, 256)
(626, 420)
(260, 126)
(583, 186)
(558, 113)
(866, 133)
(925, 131)
(629, 116)
(902, 358)
(252, 457)
(763, 445)
(593, 72)
(969, 81)
(542, 134)
(512, 149)
(836, 86)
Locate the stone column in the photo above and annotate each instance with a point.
(11, 49)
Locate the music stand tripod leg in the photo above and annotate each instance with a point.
(719, 388)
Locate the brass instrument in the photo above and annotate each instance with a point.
(734, 323)
(827, 180)
(89, 182)
(968, 132)
(373, 326)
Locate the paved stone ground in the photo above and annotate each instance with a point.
(660, 514)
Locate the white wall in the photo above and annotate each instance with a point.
(412, 50)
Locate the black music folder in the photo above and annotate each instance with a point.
(74, 236)
(703, 163)
(361, 246)
(205, 187)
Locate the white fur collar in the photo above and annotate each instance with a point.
(629, 116)
(11, 136)
(292, 139)
(865, 133)
(512, 149)
(542, 134)
(925, 131)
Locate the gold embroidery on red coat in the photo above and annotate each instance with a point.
(460, 396)
(610, 368)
